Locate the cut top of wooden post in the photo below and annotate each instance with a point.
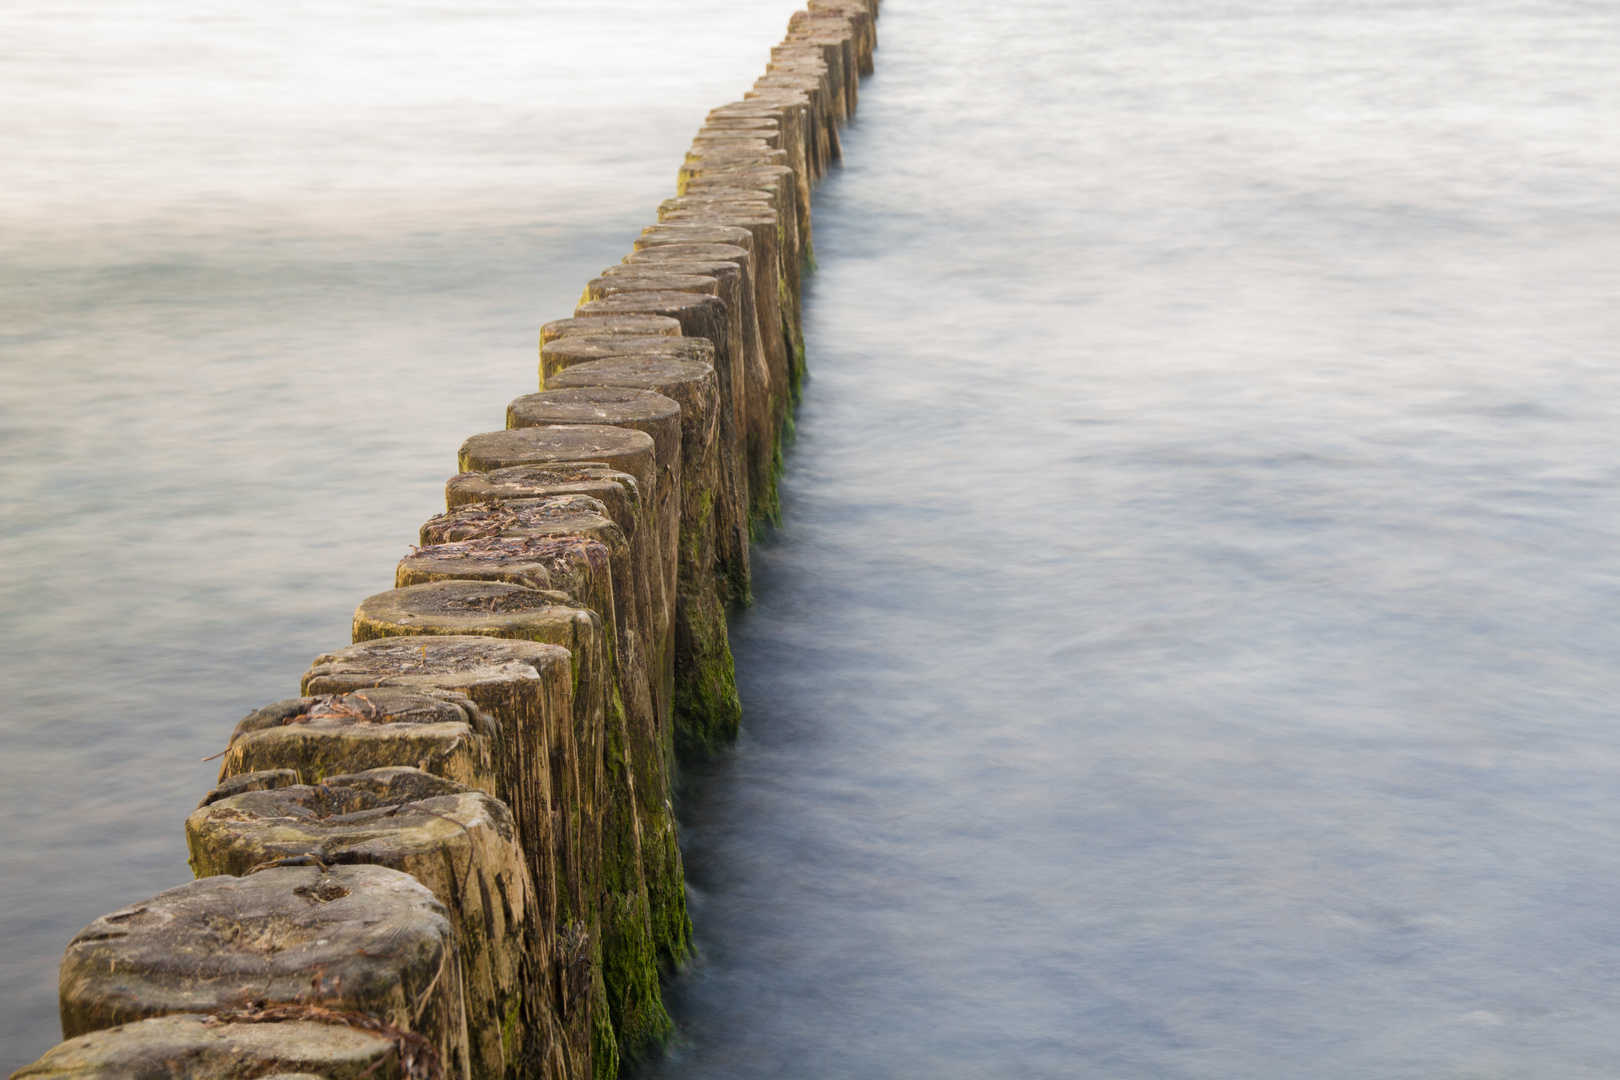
(652, 280)
(458, 607)
(650, 325)
(691, 383)
(566, 352)
(547, 563)
(385, 705)
(723, 122)
(361, 938)
(551, 515)
(677, 252)
(257, 1044)
(624, 449)
(643, 410)
(615, 490)
(694, 233)
(467, 664)
(314, 737)
(387, 819)
(263, 780)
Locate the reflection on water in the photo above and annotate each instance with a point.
(1191, 650)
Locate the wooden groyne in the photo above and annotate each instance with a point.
(454, 854)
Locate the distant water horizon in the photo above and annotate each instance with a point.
(1189, 648)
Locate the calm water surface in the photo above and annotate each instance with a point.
(262, 268)
(1191, 647)
(1192, 650)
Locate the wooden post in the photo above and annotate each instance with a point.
(625, 325)
(461, 844)
(440, 731)
(526, 687)
(192, 1047)
(705, 317)
(346, 938)
(706, 711)
(593, 782)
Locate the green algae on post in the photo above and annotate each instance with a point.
(707, 711)
(526, 688)
(592, 783)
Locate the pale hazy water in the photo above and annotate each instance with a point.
(1191, 649)
(262, 268)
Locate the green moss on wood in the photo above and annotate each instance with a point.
(666, 896)
(640, 1025)
(707, 710)
(604, 1049)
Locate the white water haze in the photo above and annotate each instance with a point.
(1190, 650)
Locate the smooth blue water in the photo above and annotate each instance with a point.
(1190, 650)
(1192, 647)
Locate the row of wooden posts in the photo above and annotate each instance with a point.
(455, 854)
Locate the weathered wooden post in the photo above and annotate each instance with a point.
(592, 781)
(657, 416)
(440, 731)
(346, 938)
(274, 1043)
(706, 708)
(759, 397)
(704, 317)
(775, 333)
(564, 353)
(526, 687)
(618, 325)
(461, 844)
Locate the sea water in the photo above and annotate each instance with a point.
(262, 268)
(1190, 648)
